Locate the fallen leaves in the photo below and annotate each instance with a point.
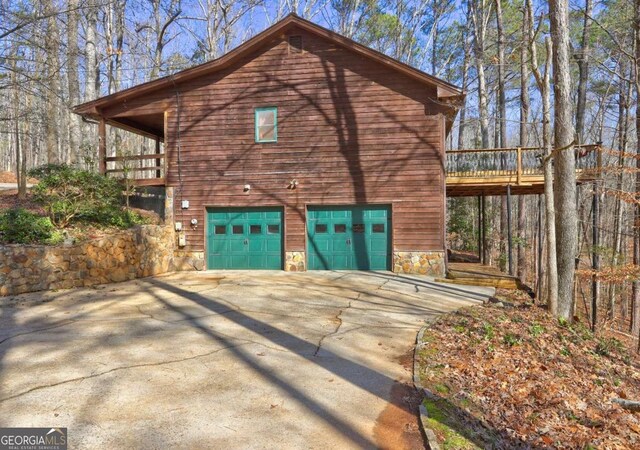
(532, 381)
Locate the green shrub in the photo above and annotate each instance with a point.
(70, 195)
(126, 219)
(607, 346)
(19, 226)
(488, 331)
(511, 339)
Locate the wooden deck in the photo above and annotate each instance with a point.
(469, 172)
(489, 172)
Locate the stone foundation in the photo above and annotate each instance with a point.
(188, 260)
(294, 262)
(138, 252)
(419, 262)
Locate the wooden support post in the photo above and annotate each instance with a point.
(102, 146)
(484, 231)
(509, 236)
(480, 249)
(158, 161)
(595, 257)
(519, 166)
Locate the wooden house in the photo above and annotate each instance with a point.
(298, 150)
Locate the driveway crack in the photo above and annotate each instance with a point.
(38, 330)
(117, 369)
(338, 319)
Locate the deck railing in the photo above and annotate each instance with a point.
(516, 163)
(138, 169)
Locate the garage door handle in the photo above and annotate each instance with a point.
(246, 241)
(348, 241)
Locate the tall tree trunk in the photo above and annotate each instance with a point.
(524, 141)
(624, 95)
(502, 133)
(544, 84)
(479, 30)
(635, 286)
(564, 161)
(51, 44)
(92, 71)
(583, 72)
(89, 144)
(19, 149)
(73, 83)
(465, 80)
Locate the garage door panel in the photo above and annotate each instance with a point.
(340, 262)
(340, 244)
(379, 246)
(273, 246)
(235, 245)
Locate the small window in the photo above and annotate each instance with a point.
(238, 229)
(255, 229)
(266, 124)
(321, 228)
(295, 44)
(358, 228)
(340, 228)
(220, 229)
(273, 229)
(378, 228)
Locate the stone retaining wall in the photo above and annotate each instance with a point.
(419, 262)
(138, 252)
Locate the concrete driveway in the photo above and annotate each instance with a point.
(220, 359)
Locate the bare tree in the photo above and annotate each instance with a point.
(564, 161)
(635, 286)
(73, 82)
(52, 67)
(162, 18)
(524, 142)
(544, 85)
(479, 14)
(583, 71)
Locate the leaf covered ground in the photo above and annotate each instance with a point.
(513, 377)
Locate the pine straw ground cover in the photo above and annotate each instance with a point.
(512, 377)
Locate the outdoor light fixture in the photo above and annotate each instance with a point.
(247, 187)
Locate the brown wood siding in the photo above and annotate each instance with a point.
(350, 130)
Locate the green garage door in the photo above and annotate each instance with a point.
(244, 238)
(348, 237)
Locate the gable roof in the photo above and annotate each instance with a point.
(445, 90)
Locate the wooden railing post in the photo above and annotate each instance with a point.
(519, 166)
(158, 161)
(102, 146)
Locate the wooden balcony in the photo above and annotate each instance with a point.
(490, 171)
